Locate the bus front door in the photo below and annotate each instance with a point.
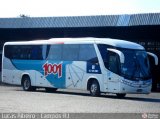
(113, 66)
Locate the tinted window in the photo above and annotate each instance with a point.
(113, 62)
(33, 52)
(36, 52)
(71, 52)
(110, 59)
(55, 52)
(7, 51)
(103, 51)
(87, 52)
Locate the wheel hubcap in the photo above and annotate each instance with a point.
(93, 88)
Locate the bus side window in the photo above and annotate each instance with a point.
(12, 52)
(54, 52)
(8, 51)
(36, 52)
(87, 53)
(70, 52)
(44, 51)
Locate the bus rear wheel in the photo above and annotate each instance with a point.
(121, 95)
(94, 88)
(26, 84)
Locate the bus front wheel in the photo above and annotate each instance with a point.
(94, 88)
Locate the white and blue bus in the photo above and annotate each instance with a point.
(100, 65)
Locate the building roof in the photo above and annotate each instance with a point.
(81, 21)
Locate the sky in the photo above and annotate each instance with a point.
(56, 8)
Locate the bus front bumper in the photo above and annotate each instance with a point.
(136, 87)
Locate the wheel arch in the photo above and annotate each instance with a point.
(23, 75)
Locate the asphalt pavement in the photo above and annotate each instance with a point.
(14, 99)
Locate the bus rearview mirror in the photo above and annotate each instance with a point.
(120, 54)
(154, 56)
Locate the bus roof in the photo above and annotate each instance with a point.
(107, 41)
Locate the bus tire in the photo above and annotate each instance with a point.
(26, 84)
(94, 88)
(121, 95)
(51, 89)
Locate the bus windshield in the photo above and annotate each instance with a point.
(136, 65)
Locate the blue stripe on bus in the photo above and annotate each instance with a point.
(54, 71)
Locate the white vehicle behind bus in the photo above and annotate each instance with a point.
(100, 65)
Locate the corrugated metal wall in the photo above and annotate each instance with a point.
(81, 21)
